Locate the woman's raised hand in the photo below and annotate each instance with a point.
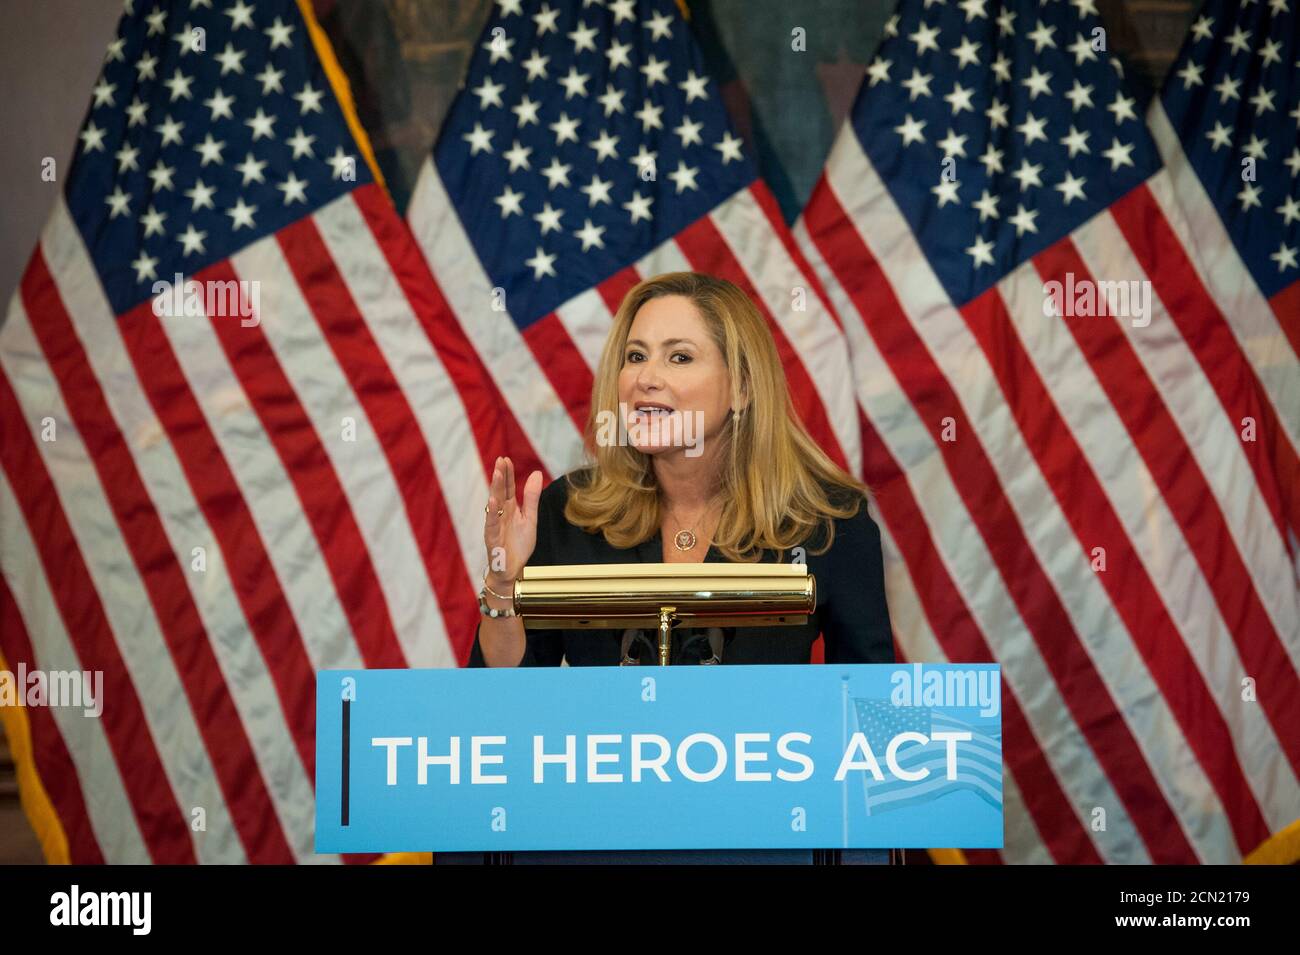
(511, 535)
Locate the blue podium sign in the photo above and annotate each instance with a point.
(692, 757)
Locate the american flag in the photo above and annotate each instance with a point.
(589, 150)
(207, 506)
(1076, 496)
(978, 758)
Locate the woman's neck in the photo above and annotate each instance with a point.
(687, 485)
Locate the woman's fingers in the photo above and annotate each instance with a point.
(532, 491)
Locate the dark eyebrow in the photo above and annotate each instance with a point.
(668, 342)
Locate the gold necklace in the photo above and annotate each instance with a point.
(685, 538)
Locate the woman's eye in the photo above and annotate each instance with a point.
(682, 354)
(633, 356)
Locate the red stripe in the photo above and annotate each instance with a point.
(1286, 306)
(963, 642)
(215, 715)
(772, 211)
(493, 424)
(256, 584)
(1085, 505)
(53, 762)
(565, 368)
(1207, 334)
(975, 479)
(615, 288)
(395, 423)
(157, 813)
(323, 501)
(707, 251)
(1190, 499)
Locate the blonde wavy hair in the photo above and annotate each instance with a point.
(778, 487)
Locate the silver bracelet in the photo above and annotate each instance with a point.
(492, 612)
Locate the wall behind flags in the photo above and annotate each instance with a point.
(405, 59)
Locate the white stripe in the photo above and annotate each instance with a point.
(1155, 537)
(967, 558)
(1194, 220)
(812, 332)
(587, 319)
(666, 257)
(495, 337)
(1210, 434)
(360, 464)
(429, 388)
(1060, 554)
(126, 602)
(241, 663)
(267, 491)
(111, 817)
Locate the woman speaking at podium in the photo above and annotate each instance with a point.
(711, 464)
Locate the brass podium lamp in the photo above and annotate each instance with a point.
(610, 596)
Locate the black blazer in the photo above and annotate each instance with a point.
(851, 612)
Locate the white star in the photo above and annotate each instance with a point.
(997, 113)
(252, 169)
(179, 85)
(649, 114)
(1006, 23)
(1071, 188)
(879, 71)
(241, 215)
(191, 240)
(574, 83)
(103, 93)
(1201, 28)
(92, 138)
(729, 147)
(187, 39)
(545, 19)
(946, 190)
(136, 113)
(489, 93)
(1262, 100)
(617, 55)
(1041, 36)
(584, 38)
(605, 146)
(1036, 83)
(973, 9)
(1220, 135)
(987, 205)
(992, 160)
(612, 100)
(1023, 220)
(598, 191)
(526, 111)
(952, 144)
(1239, 40)
(981, 252)
(655, 70)
(300, 143)
(660, 26)
(1001, 67)
(639, 206)
(536, 65)
(1190, 74)
(1082, 50)
(967, 53)
(917, 85)
(925, 38)
(161, 176)
(591, 235)
(644, 160)
(200, 195)
(565, 129)
(231, 60)
(1292, 162)
(156, 20)
(1122, 107)
(1033, 128)
(342, 164)
(1270, 52)
(261, 125)
(689, 132)
(1085, 8)
(152, 221)
(1278, 7)
(1028, 174)
(684, 176)
(145, 68)
(1255, 147)
(695, 87)
(549, 219)
(623, 10)
(114, 50)
(241, 15)
(1118, 154)
(270, 78)
(1285, 257)
(557, 173)
(170, 130)
(1289, 210)
(517, 156)
(209, 150)
(1079, 96)
(479, 139)
(960, 99)
(542, 264)
(510, 7)
(145, 266)
(891, 26)
(118, 203)
(309, 99)
(279, 34)
(910, 130)
(294, 189)
(126, 157)
(219, 103)
(1076, 142)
